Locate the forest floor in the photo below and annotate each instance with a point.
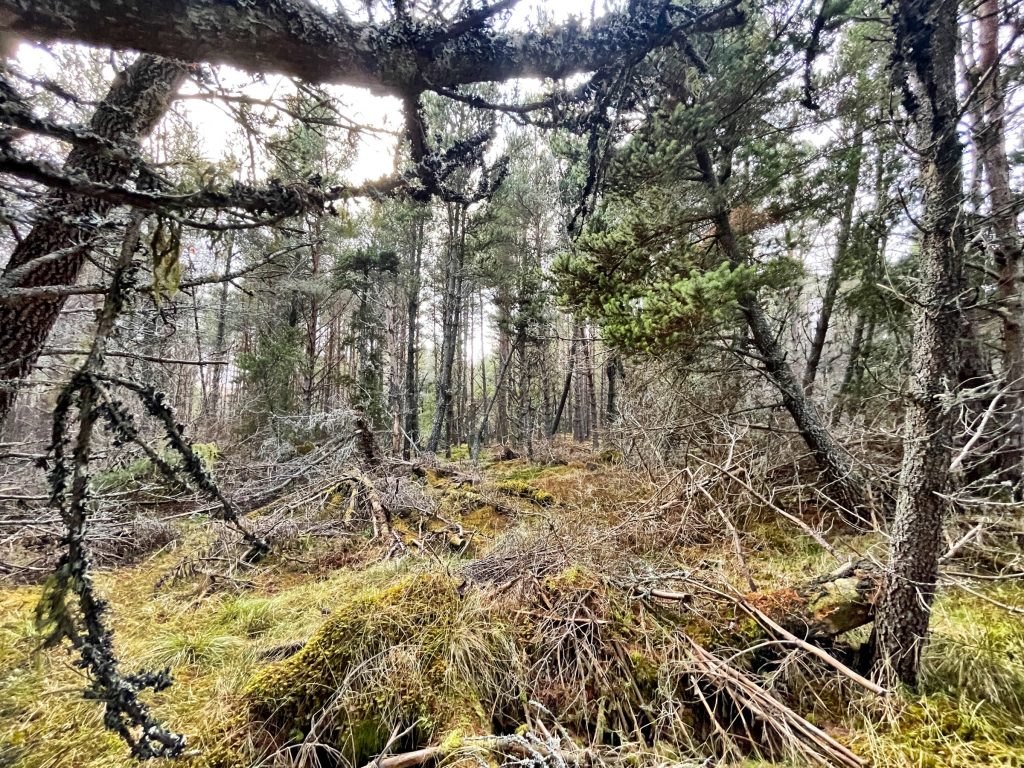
(562, 613)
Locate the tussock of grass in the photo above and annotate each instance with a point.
(183, 646)
(977, 650)
(938, 731)
(413, 655)
(250, 616)
(214, 647)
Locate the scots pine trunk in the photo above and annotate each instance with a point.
(828, 301)
(844, 485)
(566, 386)
(312, 350)
(505, 349)
(412, 319)
(499, 386)
(612, 370)
(65, 232)
(221, 337)
(451, 312)
(853, 366)
(926, 45)
(579, 431)
(588, 368)
(1007, 246)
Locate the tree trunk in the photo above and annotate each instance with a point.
(828, 301)
(498, 387)
(853, 364)
(579, 431)
(65, 223)
(1007, 241)
(926, 39)
(451, 312)
(612, 370)
(844, 485)
(501, 422)
(412, 318)
(565, 387)
(588, 370)
(221, 338)
(312, 327)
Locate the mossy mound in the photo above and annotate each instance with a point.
(522, 490)
(415, 655)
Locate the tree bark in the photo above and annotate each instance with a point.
(221, 337)
(65, 232)
(302, 39)
(570, 365)
(412, 318)
(991, 138)
(926, 40)
(845, 486)
(588, 373)
(504, 302)
(612, 370)
(828, 301)
(499, 384)
(312, 351)
(451, 313)
(853, 365)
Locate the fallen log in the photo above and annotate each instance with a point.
(825, 607)
(816, 610)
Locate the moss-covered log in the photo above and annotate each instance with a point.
(826, 606)
(820, 609)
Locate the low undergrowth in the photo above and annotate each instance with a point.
(541, 619)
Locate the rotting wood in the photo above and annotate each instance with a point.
(820, 609)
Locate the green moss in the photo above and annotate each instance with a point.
(460, 452)
(402, 654)
(575, 577)
(943, 732)
(208, 452)
(645, 671)
(485, 519)
(523, 490)
(528, 472)
(977, 650)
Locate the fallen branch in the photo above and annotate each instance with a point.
(802, 737)
(778, 510)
